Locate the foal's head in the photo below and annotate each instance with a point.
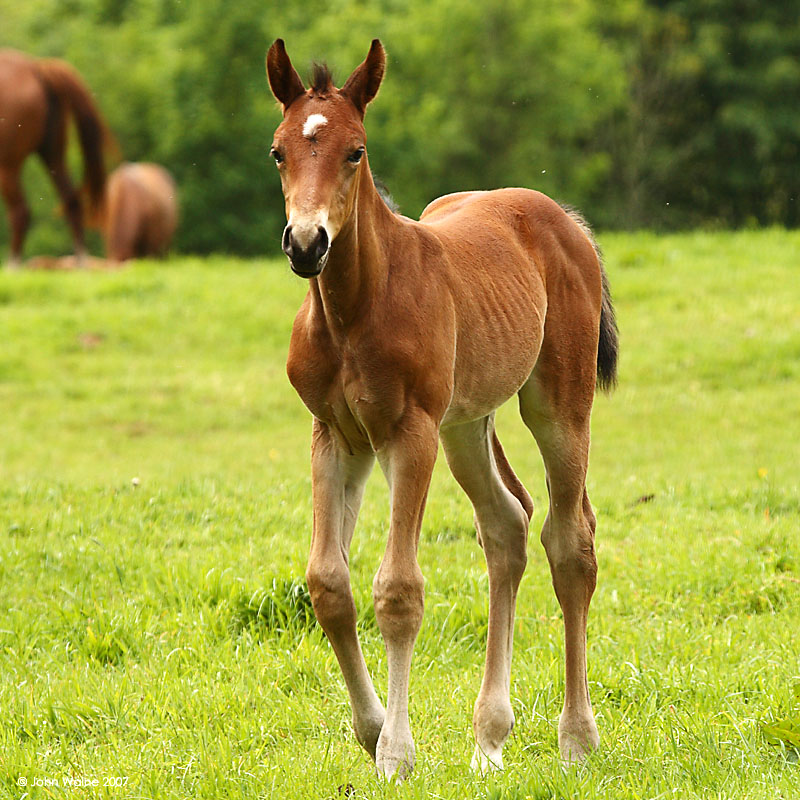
(319, 149)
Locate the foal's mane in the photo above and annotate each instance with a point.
(383, 191)
(321, 78)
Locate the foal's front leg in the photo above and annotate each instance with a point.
(338, 480)
(407, 460)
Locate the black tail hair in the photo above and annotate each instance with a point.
(608, 345)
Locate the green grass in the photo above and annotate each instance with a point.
(155, 519)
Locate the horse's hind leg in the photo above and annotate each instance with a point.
(561, 428)
(502, 513)
(54, 161)
(19, 215)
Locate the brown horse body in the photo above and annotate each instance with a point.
(141, 212)
(36, 99)
(412, 332)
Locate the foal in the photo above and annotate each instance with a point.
(413, 332)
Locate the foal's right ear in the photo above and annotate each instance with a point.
(283, 78)
(362, 86)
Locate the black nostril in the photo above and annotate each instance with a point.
(322, 242)
(286, 243)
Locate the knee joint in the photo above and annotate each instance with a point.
(571, 550)
(399, 600)
(588, 513)
(507, 537)
(329, 587)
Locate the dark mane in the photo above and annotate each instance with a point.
(321, 78)
(383, 191)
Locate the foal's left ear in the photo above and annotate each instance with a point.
(283, 78)
(363, 84)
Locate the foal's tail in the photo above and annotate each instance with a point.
(608, 344)
(93, 133)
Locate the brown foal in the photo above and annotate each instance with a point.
(412, 332)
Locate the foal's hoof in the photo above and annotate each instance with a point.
(396, 769)
(395, 758)
(484, 762)
(577, 740)
(492, 724)
(368, 730)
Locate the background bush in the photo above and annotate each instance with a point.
(644, 114)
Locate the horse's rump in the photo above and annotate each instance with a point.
(23, 108)
(141, 211)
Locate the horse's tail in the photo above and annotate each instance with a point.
(608, 343)
(93, 133)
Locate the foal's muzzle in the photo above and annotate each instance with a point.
(308, 261)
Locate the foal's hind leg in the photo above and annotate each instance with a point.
(19, 215)
(502, 513)
(338, 480)
(561, 429)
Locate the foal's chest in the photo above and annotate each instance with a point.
(350, 390)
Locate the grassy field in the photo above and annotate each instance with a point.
(155, 633)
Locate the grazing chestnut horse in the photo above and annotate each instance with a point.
(36, 98)
(412, 332)
(141, 212)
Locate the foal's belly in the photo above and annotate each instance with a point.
(487, 387)
(495, 355)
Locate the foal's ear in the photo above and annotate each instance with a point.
(363, 84)
(283, 78)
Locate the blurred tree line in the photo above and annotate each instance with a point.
(643, 113)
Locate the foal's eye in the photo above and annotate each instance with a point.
(355, 156)
(276, 155)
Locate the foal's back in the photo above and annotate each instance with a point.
(510, 230)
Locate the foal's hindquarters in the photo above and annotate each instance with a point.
(541, 317)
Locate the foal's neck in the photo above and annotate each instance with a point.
(358, 264)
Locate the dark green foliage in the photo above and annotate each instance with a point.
(711, 130)
(641, 113)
